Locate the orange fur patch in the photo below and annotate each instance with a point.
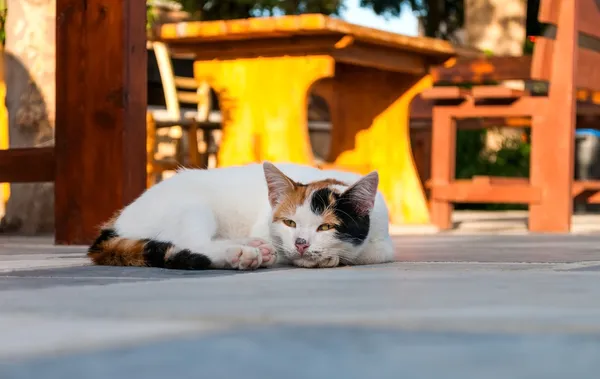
(119, 252)
(298, 196)
(329, 217)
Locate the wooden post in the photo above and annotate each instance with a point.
(100, 113)
(442, 166)
(552, 153)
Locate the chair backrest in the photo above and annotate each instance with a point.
(574, 49)
(180, 89)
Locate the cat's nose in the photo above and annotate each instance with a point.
(301, 245)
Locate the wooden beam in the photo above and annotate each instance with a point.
(27, 165)
(445, 93)
(101, 110)
(481, 70)
(381, 58)
(467, 191)
(496, 92)
(300, 45)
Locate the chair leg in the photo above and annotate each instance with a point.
(194, 154)
(208, 143)
(150, 146)
(443, 147)
(552, 161)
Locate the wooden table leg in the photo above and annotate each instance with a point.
(370, 115)
(264, 106)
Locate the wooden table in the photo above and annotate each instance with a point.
(263, 69)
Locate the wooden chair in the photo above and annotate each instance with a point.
(177, 119)
(568, 65)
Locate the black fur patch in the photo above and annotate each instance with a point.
(353, 228)
(186, 260)
(320, 200)
(155, 251)
(105, 235)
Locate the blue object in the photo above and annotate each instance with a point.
(587, 132)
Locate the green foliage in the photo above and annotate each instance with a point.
(232, 9)
(3, 13)
(528, 46)
(440, 18)
(488, 53)
(512, 160)
(149, 16)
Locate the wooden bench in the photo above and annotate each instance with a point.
(570, 63)
(99, 158)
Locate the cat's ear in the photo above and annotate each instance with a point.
(361, 195)
(277, 183)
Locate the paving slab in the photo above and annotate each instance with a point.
(331, 352)
(467, 306)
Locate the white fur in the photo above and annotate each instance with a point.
(225, 213)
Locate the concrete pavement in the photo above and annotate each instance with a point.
(452, 307)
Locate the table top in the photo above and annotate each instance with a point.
(293, 26)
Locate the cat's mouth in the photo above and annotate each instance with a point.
(316, 261)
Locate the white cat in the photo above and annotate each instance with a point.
(251, 216)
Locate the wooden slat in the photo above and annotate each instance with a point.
(498, 180)
(579, 186)
(257, 47)
(101, 112)
(188, 97)
(589, 14)
(584, 185)
(588, 190)
(185, 124)
(481, 70)
(445, 93)
(588, 75)
(515, 122)
(466, 191)
(589, 17)
(27, 165)
(496, 92)
(186, 83)
(524, 106)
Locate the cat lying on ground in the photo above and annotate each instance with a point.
(248, 217)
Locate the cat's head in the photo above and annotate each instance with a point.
(321, 223)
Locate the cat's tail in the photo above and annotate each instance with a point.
(110, 249)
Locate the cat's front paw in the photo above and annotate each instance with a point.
(267, 251)
(320, 263)
(328, 262)
(244, 257)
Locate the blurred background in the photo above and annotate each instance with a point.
(474, 27)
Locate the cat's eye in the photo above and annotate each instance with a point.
(289, 223)
(324, 227)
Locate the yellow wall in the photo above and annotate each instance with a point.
(5, 187)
